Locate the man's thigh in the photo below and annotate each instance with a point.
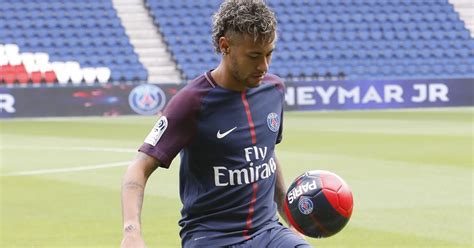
(284, 237)
(278, 237)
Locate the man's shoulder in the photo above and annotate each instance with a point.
(196, 88)
(189, 97)
(275, 80)
(199, 84)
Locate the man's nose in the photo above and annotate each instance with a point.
(263, 65)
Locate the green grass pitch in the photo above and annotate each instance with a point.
(411, 172)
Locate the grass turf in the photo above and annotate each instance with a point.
(411, 172)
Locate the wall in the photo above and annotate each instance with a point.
(148, 99)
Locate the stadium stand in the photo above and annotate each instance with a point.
(335, 39)
(65, 41)
(84, 42)
(147, 41)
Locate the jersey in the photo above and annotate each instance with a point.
(226, 140)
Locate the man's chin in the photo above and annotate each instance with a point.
(254, 83)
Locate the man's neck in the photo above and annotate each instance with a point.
(224, 79)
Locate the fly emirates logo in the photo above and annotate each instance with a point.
(256, 170)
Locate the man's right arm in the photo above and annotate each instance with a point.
(133, 188)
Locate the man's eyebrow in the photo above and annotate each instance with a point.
(259, 53)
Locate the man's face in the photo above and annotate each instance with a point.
(249, 60)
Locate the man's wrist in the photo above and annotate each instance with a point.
(131, 229)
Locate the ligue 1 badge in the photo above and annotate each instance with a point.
(273, 122)
(155, 134)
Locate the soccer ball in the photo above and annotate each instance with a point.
(318, 203)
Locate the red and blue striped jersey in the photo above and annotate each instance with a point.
(226, 140)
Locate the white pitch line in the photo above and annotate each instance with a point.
(73, 148)
(63, 170)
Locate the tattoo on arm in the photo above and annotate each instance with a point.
(133, 185)
(130, 228)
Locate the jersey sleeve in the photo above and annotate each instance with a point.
(280, 131)
(174, 129)
(280, 85)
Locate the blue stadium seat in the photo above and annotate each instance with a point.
(338, 33)
(69, 31)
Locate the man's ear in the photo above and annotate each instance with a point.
(224, 45)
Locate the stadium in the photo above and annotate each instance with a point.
(378, 91)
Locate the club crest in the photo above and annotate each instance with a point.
(147, 99)
(305, 205)
(273, 122)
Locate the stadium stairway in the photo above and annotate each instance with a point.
(465, 8)
(147, 41)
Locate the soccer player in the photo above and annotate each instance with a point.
(225, 124)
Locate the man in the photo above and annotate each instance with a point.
(225, 123)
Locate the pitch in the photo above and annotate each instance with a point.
(410, 172)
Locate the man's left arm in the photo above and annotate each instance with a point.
(280, 191)
(280, 194)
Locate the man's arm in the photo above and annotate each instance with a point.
(133, 188)
(280, 191)
(280, 194)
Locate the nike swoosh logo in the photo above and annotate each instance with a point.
(222, 135)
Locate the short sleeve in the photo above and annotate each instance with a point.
(280, 131)
(174, 129)
(280, 85)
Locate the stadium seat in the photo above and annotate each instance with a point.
(58, 29)
(89, 74)
(50, 77)
(22, 77)
(60, 72)
(103, 74)
(76, 76)
(36, 77)
(3, 60)
(11, 49)
(8, 77)
(2, 50)
(14, 59)
(334, 34)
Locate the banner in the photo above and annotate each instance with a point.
(107, 100)
(148, 99)
(340, 95)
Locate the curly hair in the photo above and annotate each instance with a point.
(252, 17)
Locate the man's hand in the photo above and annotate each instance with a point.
(133, 241)
(132, 238)
(280, 195)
